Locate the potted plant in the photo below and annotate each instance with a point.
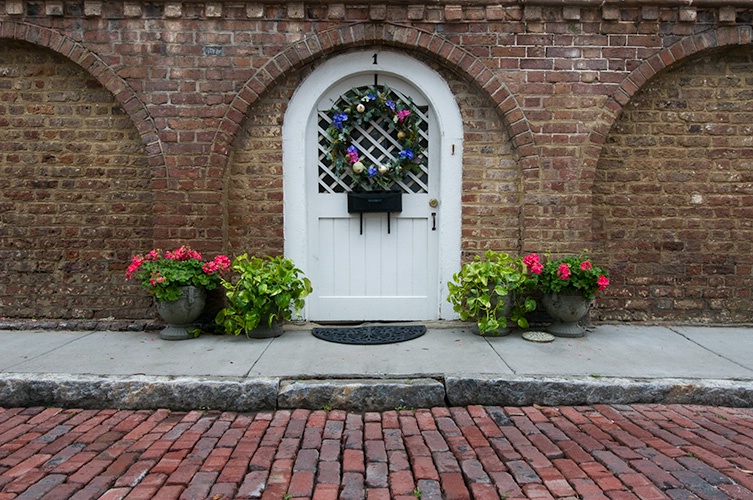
(484, 291)
(568, 288)
(178, 280)
(265, 293)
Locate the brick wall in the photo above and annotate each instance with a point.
(551, 96)
(673, 193)
(74, 190)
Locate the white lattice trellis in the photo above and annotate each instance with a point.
(376, 141)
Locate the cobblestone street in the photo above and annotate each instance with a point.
(588, 452)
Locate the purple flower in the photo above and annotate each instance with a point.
(406, 154)
(372, 171)
(352, 154)
(339, 120)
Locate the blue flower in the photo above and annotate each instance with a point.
(339, 119)
(406, 154)
(391, 105)
(371, 96)
(372, 171)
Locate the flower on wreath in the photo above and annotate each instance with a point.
(163, 275)
(400, 118)
(575, 272)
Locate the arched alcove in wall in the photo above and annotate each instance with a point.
(75, 194)
(673, 194)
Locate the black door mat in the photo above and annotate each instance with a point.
(370, 335)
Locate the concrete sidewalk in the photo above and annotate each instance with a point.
(616, 364)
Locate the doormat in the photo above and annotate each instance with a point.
(370, 335)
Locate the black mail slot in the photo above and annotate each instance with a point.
(375, 201)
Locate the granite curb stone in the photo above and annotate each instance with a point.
(361, 394)
(354, 394)
(138, 392)
(550, 391)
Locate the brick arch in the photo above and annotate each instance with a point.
(640, 76)
(105, 75)
(361, 34)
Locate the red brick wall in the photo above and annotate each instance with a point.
(197, 92)
(254, 205)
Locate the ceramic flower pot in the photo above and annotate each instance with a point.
(180, 314)
(505, 311)
(566, 310)
(263, 331)
(499, 332)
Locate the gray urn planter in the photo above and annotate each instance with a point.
(566, 310)
(181, 313)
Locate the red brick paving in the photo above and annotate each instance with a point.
(642, 452)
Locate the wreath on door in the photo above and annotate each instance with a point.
(371, 167)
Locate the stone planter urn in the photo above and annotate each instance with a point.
(181, 313)
(566, 310)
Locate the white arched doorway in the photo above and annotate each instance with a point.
(361, 269)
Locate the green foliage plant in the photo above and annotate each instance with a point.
(483, 287)
(262, 292)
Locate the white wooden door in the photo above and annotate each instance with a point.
(372, 266)
(376, 268)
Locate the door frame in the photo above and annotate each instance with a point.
(296, 154)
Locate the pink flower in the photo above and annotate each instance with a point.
(183, 253)
(401, 115)
(563, 272)
(157, 278)
(585, 265)
(220, 263)
(135, 265)
(603, 282)
(152, 256)
(352, 154)
(533, 263)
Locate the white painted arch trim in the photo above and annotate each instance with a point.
(437, 93)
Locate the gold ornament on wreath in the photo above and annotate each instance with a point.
(350, 118)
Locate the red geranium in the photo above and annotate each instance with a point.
(575, 272)
(163, 275)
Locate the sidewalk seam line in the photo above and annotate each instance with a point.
(500, 357)
(52, 350)
(248, 373)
